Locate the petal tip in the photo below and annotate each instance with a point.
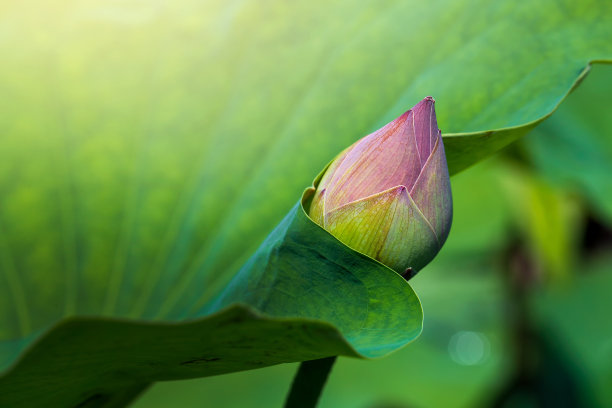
(426, 103)
(399, 190)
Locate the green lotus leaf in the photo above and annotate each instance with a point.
(147, 149)
(301, 272)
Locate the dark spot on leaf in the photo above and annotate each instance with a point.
(487, 135)
(96, 400)
(202, 360)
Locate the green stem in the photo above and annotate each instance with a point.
(309, 382)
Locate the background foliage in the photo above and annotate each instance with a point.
(148, 148)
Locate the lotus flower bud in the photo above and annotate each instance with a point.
(388, 195)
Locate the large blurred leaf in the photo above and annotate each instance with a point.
(147, 148)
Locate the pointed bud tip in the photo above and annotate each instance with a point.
(427, 102)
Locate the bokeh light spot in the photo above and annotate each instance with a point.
(469, 348)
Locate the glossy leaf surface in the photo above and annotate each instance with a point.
(146, 149)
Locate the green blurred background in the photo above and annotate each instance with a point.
(147, 148)
(548, 197)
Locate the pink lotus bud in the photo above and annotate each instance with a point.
(388, 195)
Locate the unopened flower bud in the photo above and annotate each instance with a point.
(388, 195)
